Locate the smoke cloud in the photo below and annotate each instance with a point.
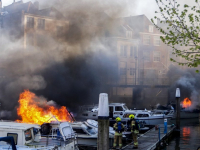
(188, 82)
(71, 71)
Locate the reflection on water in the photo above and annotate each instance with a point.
(189, 137)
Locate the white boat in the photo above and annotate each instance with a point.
(27, 136)
(148, 117)
(184, 112)
(86, 132)
(121, 110)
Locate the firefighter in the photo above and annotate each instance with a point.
(119, 128)
(134, 130)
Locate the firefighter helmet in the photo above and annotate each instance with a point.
(131, 116)
(118, 119)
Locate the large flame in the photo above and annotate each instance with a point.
(32, 111)
(186, 103)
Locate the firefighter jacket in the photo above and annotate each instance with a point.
(118, 129)
(134, 127)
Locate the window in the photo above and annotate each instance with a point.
(150, 28)
(28, 135)
(145, 115)
(146, 39)
(14, 135)
(30, 22)
(41, 24)
(122, 71)
(133, 51)
(129, 34)
(127, 115)
(156, 56)
(85, 114)
(132, 71)
(59, 31)
(123, 50)
(157, 41)
(118, 108)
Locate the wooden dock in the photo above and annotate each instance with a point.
(150, 140)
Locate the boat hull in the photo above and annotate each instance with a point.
(91, 141)
(187, 115)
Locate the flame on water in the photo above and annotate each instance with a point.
(186, 131)
(31, 111)
(186, 103)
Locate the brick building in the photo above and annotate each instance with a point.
(26, 23)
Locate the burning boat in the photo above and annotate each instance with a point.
(86, 132)
(27, 136)
(186, 112)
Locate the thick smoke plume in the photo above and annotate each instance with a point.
(189, 83)
(71, 71)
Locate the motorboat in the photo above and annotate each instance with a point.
(86, 132)
(170, 111)
(28, 136)
(147, 117)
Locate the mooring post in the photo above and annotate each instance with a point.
(103, 123)
(178, 95)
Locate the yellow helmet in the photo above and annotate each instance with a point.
(131, 116)
(118, 119)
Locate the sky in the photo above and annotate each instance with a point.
(131, 7)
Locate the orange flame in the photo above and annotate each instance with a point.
(186, 102)
(31, 111)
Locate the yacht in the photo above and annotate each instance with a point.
(28, 136)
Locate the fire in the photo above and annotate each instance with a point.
(32, 111)
(186, 103)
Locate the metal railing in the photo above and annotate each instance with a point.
(53, 140)
(140, 81)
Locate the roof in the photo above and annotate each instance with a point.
(137, 23)
(20, 6)
(18, 126)
(33, 8)
(116, 104)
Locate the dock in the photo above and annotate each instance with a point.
(150, 139)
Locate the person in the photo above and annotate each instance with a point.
(134, 124)
(119, 128)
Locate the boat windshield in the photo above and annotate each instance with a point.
(91, 130)
(125, 107)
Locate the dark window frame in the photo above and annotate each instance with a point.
(119, 107)
(30, 22)
(15, 140)
(41, 24)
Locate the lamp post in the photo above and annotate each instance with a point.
(178, 95)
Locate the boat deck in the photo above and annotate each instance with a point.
(150, 140)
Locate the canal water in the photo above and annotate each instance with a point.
(189, 136)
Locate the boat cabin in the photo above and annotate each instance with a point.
(21, 132)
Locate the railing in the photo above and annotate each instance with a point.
(141, 81)
(53, 140)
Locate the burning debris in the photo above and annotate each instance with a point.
(34, 110)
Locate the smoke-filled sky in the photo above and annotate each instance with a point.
(130, 7)
(71, 76)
